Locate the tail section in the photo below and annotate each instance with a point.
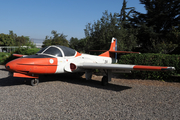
(113, 48)
(112, 52)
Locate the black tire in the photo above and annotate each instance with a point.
(104, 80)
(34, 82)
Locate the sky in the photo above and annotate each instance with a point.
(37, 18)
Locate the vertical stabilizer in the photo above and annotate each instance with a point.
(113, 47)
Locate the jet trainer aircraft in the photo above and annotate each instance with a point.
(57, 59)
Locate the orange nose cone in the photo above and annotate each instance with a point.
(10, 66)
(33, 65)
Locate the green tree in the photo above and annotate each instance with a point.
(6, 40)
(29, 43)
(73, 43)
(101, 32)
(57, 39)
(155, 26)
(83, 46)
(47, 41)
(111, 25)
(12, 34)
(21, 40)
(24, 41)
(127, 33)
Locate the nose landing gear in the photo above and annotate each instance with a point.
(34, 82)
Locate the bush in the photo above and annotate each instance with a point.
(6, 57)
(27, 51)
(3, 57)
(153, 60)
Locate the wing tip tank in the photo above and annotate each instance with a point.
(169, 68)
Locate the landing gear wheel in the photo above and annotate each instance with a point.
(34, 82)
(104, 80)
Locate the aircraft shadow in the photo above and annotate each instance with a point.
(82, 81)
(11, 81)
(3, 69)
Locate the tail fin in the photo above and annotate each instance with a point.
(112, 52)
(113, 47)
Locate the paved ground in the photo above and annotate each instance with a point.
(72, 98)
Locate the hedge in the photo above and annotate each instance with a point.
(6, 57)
(27, 51)
(153, 60)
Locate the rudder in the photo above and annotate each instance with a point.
(113, 47)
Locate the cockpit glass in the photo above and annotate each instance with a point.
(53, 51)
(67, 51)
(42, 50)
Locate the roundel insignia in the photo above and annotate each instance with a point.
(51, 61)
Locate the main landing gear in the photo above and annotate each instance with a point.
(34, 82)
(106, 78)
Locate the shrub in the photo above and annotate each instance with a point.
(6, 57)
(27, 51)
(3, 57)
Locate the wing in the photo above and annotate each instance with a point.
(123, 67)
(18, 55)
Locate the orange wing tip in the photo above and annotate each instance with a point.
(169, 68)
(18, 55)
(154, 68)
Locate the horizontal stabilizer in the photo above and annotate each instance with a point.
(98, 50)
(113, 51)
(123, 52)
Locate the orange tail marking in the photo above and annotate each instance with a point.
(112, 48)
(78, 54)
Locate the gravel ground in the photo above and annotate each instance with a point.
(71, 98)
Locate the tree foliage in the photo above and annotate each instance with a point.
(155, 31)
(74, 43)
(13, 40)
(6, 40)
(56, 39)
(112, 25)
(155, 27)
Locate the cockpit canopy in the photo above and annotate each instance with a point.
(57, 51)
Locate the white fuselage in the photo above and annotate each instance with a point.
(64, 62)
